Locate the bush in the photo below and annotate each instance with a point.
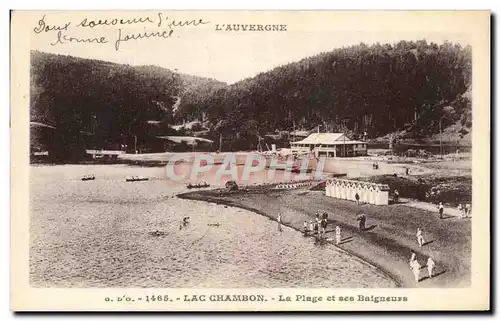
(410, 153)
(231, 186)
(406, 188)
(423, 153)
(449, 191)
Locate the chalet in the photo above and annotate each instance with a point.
(329, 145)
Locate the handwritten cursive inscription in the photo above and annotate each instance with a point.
(179, 23)
(85, 23)
(44, 27)
(141, 35)
(62, 39)
(167, 24)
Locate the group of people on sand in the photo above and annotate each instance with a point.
(318, 227)
(465, 210)
(415, 266)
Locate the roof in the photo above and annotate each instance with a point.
(37, 124)
(382, 187)
(104, 152)
(190, 140)
(347, 142)
(154, 122)
(328, 138)
(322, 138)
(188, 125)
(302, 133)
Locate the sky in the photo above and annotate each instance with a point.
(229, 56)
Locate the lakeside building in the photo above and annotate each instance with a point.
(329, 145)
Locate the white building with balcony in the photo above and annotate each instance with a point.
(329, 145)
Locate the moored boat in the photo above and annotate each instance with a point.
(202, 185)
(136, 179)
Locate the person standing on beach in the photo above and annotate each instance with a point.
(413, 257)
(305, 228)
(361, 222)
(316, 228)
(430, 266)
(324, 224)
(467, 210)
(420, 237)
(279, 222)
(184, 222)
(396, 196)
(441, 210)
(415, 266)
(357, 198)
(461, 209)
(311, 226)
(337, 235)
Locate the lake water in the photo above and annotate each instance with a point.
(98, 234)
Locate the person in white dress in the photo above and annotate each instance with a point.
(337, 235)
(415, 267)
(420, 237)
(413, 257)
(461, 209)
(430, 266)
(441, 210)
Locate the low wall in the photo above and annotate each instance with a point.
(293, 185)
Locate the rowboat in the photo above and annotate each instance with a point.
(198, 185)
(136, 179)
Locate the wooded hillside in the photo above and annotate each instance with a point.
(383, 88)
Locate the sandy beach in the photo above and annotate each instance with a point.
(388, 241)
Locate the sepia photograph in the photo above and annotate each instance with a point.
(253, 150)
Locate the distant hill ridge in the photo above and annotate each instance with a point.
(380, 89)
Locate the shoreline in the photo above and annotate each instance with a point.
(371, 246)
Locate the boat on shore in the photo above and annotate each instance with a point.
(201, 185)
(136, 179)
(88, 178)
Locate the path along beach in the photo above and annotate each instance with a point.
(388, 241)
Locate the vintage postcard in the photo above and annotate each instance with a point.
(250, 160)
